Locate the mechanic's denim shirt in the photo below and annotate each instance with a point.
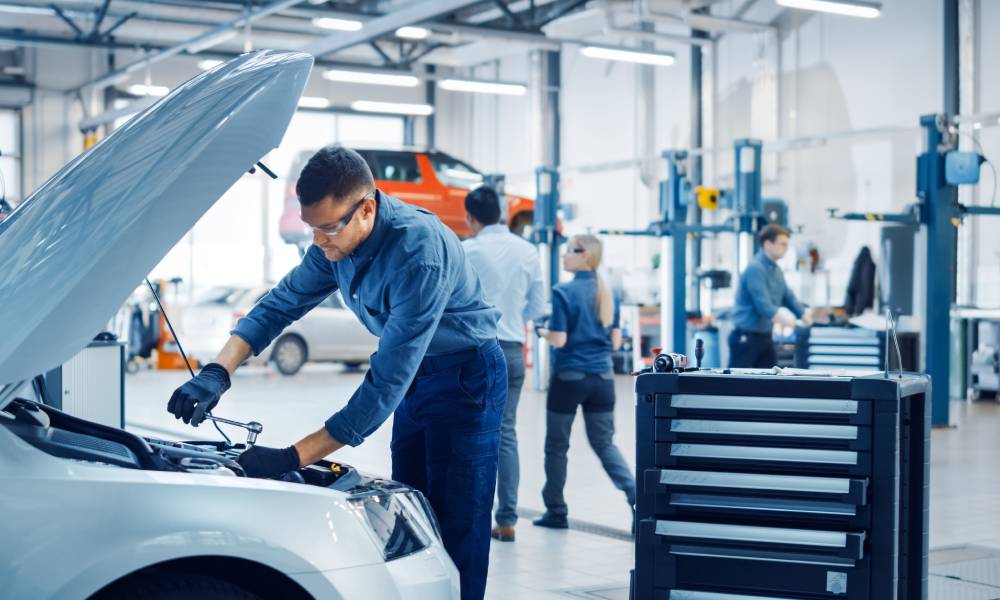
(409, 283)
(761, 292)
(574, 310)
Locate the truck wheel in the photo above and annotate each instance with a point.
(289, 355)
(182, 586)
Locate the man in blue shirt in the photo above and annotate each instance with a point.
(512, 281)
(438, 367)
(763, 300)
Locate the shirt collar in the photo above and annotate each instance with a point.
(585, 275)
(383, 216)
(765, 259)
(493, 229)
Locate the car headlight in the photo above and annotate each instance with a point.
(400, 523)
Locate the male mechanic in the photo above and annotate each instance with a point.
(511, 277)
(438, 363)
(763, 300)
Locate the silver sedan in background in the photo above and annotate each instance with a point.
(328, 333)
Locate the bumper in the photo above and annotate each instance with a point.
(425, 575)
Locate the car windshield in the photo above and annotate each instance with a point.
(454, 172)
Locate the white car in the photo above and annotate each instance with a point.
(88, 510)
(328, 333)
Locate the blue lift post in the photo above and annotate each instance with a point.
(675, 196)
(939, 210)
(545, 234)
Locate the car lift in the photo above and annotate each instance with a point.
(941, 168)
(676, 194)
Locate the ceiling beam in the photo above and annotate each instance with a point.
(410, 15)
(251, 16)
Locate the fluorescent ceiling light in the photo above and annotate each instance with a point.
(337, 24)
(482, 87)
(396, 108)
(208, 64)
(851, 8)
(413, 33)
(148, 90)
(634, 56)
(371, 78)
(313, 102)
(211, 40)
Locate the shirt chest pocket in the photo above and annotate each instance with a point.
(374, 317)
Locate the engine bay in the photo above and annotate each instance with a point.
(65, 436)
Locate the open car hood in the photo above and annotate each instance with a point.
(71, 253)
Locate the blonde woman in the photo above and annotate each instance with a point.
(583, 331)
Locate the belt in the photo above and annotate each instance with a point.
(443, 362)
(513, 345)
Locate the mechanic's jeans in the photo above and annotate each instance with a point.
(751, 350)
(445, 442)
(596, 394)
(509, 473)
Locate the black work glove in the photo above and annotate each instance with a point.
(199, 395)
(269, 462)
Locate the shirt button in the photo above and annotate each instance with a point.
(355, 296)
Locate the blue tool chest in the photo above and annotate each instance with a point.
(781, 487)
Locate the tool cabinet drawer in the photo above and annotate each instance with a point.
(820, 435)
(747, 458)
(766, 408)
(757, 498)
(762, 561)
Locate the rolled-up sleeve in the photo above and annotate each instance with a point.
(297, 293)
(415, 309)
(759, 294)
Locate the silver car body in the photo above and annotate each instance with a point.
(69, 255)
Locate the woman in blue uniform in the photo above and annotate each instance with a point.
(583, 332)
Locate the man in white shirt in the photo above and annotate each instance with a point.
(511, 278)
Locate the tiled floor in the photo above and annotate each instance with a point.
(544, 564)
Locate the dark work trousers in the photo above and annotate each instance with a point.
(445, 442)
(596, 395)
(750, 349)
(509, 472)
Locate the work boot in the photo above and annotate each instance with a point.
(552, 521)
(503, 533)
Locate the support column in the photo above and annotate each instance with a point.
(968, 83)
(430, 97)
(545, 83)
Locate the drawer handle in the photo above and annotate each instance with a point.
(750, 533)
(693, 595)
(783, 505)
(802, 455)
(755, 481)
(765, 403)
(754, 428)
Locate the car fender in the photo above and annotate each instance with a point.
(70, 525)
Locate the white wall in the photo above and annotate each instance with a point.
(838, 74)
(988, 276)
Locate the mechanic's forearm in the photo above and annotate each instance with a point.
(316, 446)
(234, 353)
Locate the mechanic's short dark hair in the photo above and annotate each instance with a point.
(483, 204)
(333, 171)
(770, 232)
